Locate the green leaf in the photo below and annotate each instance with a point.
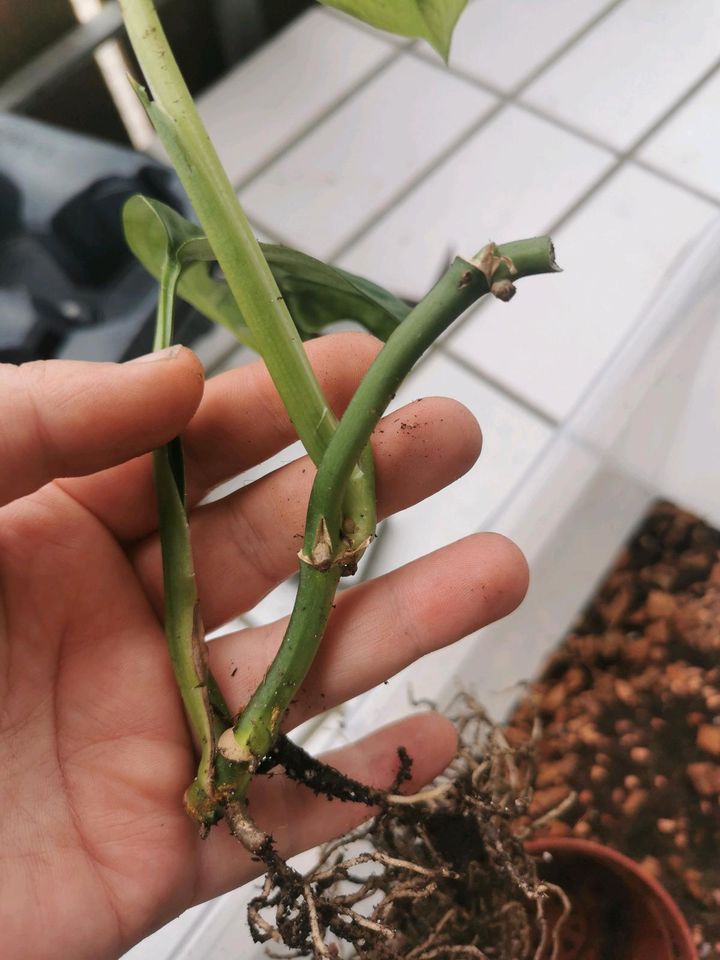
(151, 224)
(316, 294)
(431, 20)
(156, 233)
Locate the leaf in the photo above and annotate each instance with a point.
(431, 20)
(151, 223)
(316, 294)
(155, 232)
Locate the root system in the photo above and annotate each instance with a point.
(442, 875)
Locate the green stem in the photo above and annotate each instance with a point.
(323, 553)
(169, 279)
(183, 624)
(259, 723)
(246, 271)
(463, 283)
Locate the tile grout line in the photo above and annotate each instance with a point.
(621, 160)
(309, 127)
(627, 156)
(513, 98)
(410, 185)
(504, 99)
(622, 156)
(519, 483)
(557, 54)
(517, 398)
(485, 376)
(675, 181)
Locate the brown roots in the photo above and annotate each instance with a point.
(443, 875)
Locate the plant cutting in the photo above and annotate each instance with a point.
(270, 298)
(96, 850)
(95, 847)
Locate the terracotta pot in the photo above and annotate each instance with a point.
(618, 911)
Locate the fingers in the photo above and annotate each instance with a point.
(66, 418)
(376, 629)
(299, 820)
(382, 625)
(241, 422)
(247, 543)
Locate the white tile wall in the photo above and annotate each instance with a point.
(503, 43)
(554, 337)
(688, 145)
(266, 101)
(511, 179)
(339, 177)
(623, 76)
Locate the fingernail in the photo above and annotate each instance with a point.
(168, 354)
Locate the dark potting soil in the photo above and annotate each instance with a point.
(630, 711)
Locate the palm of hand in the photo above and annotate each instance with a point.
(94, 743)
(94, 750)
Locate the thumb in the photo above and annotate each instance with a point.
(62, 418)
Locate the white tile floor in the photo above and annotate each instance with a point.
(623, 76)
(558, 335)
(337, 179)
(688, 145)
(514, 177)
(505, 47)
(254, 112)
(594, 119)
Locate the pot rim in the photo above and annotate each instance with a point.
(607, 855)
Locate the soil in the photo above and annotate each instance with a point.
(629, 707)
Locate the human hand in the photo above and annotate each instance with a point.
(96, 850)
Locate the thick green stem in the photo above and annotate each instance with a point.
(259, 723)
(251, 282)
(324, 551)
(494, 268)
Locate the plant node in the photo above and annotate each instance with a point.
(350, 556)
(321, 555)
(234, 751)
(503, 290)
(489, 261)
